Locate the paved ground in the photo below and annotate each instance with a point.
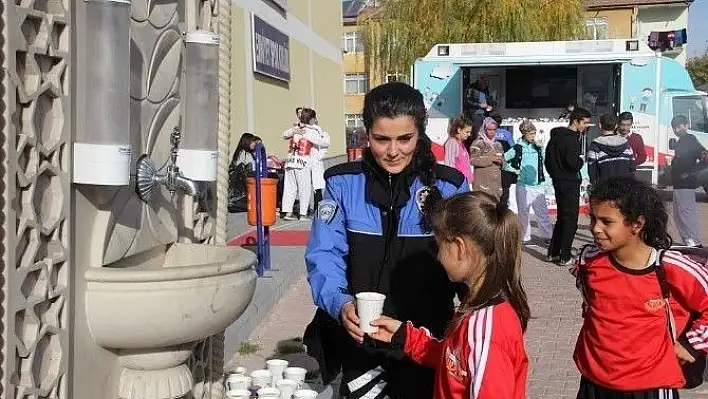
(550, 339)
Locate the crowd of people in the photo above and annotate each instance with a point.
(423, 231)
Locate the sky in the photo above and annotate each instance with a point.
(697, 28)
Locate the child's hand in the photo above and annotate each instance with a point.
(387, 328)
(682, 354)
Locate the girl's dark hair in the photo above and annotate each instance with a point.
(460, 123)
(395, 99)
(634, 199)
(307, 115)
(482, 220)
(244, 144)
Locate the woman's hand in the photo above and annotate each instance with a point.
(387, 328)
(350, 320)
(683, 355)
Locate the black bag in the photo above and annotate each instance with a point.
(692, 372)
(238, 195)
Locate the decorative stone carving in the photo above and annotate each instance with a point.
(39, 83)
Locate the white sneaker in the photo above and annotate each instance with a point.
(289, 217)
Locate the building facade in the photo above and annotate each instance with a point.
(94, 301)
(263, 101)
(624, 19)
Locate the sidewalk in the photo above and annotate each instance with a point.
(550, 339)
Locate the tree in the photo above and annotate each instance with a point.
(399, 31)
(698, 69)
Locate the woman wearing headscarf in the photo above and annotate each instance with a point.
(486, 155)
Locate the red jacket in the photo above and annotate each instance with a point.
(636, 143)
(483, 358)
(624, 343)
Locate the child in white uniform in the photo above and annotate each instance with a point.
(298, 163)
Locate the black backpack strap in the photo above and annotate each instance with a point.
(581, 278)
(661, 274)
(665, 293)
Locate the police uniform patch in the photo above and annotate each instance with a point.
(421, 195)
(326, 210)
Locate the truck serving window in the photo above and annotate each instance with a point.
(694, 108)
(541, 87)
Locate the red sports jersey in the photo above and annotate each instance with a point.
(484, 358)
(625, 343)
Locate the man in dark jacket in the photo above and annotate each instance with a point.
(610, 154)
(688, 153)
(563, 163)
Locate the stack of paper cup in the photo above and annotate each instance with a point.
(369, 306)
(305, 394)
(277, 368)
(238, 394)
(287, 388)
(270, 393)
(261, 379)
(238, 381)
(296, 374)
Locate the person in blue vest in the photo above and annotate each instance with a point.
(372, 233)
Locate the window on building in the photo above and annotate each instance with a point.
(694, 109)
(597, 28)
(356, 83)
(353, 42)
(396, 77)
(354, 120)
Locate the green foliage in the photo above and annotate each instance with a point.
(403, 30)
(249, 348)
(698, 69)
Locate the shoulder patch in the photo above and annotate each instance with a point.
(450, 175)
(348, 168)
(326, 210)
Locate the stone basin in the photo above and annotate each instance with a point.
(152, 308)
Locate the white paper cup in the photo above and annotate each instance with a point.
(287, 388)
(369, 306)
(238, 394)
(238, 381)
(305, 394)
(270, 393)
(296, 374)
(261, 378)
(277, 368)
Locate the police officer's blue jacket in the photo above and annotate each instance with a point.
(368, 236)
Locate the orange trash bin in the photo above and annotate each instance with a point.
(269, 200)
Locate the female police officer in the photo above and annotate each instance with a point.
(372, 234)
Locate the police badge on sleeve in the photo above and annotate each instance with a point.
(421, 195)
(326, 210)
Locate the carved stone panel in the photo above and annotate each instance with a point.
(39, 285)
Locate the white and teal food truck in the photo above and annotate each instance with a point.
(537, 80)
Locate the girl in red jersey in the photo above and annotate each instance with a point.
(482, 355)
(625, 348)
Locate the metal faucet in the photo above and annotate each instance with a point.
(149, 178)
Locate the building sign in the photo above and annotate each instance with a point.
(271, 50)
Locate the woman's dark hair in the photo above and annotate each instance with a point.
(460, 123)
(634, 199)
(482, 220)
(244, 144)
(395, 99)
(307, 115)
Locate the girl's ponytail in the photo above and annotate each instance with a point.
(508, 252)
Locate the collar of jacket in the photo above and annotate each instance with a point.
(382, 191)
